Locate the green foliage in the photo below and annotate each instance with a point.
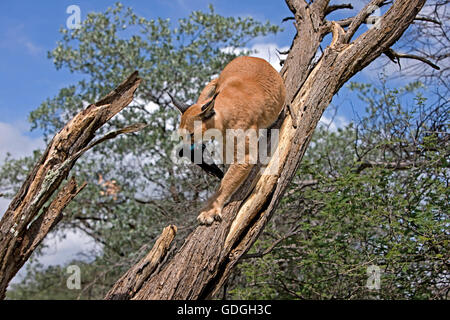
(373, 193)
(14, 172)
(356, 216)
(111, 45)
(134, 188)
(50, 283)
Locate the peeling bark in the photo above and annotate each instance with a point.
(203, 264)
(27, 220)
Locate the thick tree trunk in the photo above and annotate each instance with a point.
(204, 262)
(27, 220)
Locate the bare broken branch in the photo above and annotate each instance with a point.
(428, 19)
(395, 57)
(49, 218)
(344, 22)
(26, 221)
(362, 16)
(287, 19)
(398, 165)
(335, 7)
(282, 52)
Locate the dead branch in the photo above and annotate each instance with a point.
(287, 19)
(428, 19)
(395, 57)
(203, 264)
(335, 7)
(27, 220)
(362, 16)
(395, 165)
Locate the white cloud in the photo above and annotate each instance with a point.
(61, 251)
(14, 140)
(149, 106)
(268, 52)
(333, 124)
(14, 37)
(4, 203)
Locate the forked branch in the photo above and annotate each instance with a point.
(335, 7)
(28, 220)
(203, 264)
(396, 56)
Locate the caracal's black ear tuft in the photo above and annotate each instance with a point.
(181, 106)
(208, 108)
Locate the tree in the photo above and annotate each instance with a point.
(300, 255)
(204, 262)
(370, 194)
(311, 84)
(133, 187)
(28, 219)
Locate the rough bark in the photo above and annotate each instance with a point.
(27, 220)
(204, 262)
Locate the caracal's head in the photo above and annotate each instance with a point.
(195, 119)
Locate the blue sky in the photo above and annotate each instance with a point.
(29, 29)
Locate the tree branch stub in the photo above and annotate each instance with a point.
(202, 265)
(26, 221)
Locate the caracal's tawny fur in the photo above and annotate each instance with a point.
(248, 94)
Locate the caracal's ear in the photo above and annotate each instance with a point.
(182, 107)
(208, 108)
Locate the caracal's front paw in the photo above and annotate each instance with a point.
(207, 217)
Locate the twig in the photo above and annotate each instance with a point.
(361, 17)
(395, 57)
(272, 246)
(287, 19)
(335, 7)
(400, 165)
(282, 52)
(427, 19)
